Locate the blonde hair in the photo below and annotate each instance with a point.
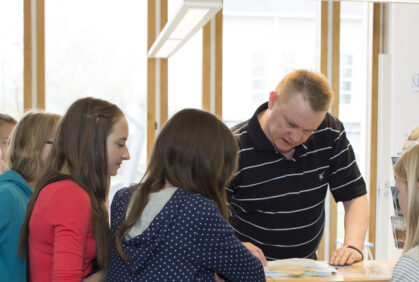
(313, 86)
(4, 118)
(27, 141)
(407, 169)
(412, 140)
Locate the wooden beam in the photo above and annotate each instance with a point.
(151, 78)
(212, 31)
(33, 62)
(157, 71)
(335, 111)
(324, 52)
(27, 55)
(164, 107)
(323, 69)
(374, 124)
(219, 64)
(206, 67)
(40, 54)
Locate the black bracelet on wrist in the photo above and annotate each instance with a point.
(356, 249)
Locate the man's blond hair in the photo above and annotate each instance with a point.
(313, 86)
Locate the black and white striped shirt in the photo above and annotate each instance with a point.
(278, 204)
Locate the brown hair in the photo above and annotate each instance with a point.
(7, 119)
(79, 151)
(407, 169)
(313, 86)
(194, 151)
(27, 141)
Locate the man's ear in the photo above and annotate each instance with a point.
(273, 96)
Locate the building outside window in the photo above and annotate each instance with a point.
(11, 58)
(345, 89)
(258, 77)
(260, 46)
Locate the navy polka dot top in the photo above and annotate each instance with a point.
(188, 240)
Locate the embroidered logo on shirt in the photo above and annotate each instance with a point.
(321, 176)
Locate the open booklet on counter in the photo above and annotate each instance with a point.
(298, 267)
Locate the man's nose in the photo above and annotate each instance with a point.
(296, 136)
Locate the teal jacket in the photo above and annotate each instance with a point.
(14, 196)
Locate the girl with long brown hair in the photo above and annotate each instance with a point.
(172, 225)
(66, 226)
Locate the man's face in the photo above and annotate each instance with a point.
(291, 122)
(6, 129)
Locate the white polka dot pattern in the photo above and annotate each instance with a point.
(187, 241)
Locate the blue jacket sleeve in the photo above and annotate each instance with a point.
(6, 212)
(219, 250)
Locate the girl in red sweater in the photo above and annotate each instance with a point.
(65, 232)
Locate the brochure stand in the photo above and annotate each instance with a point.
(397, 220)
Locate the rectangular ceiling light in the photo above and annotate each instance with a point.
(189, 18)
(386, 1)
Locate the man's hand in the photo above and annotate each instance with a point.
(256, 252)
(344, 256)
(356, 225)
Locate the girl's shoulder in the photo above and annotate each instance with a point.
(181, 200)
(195, 199)
(407, 268)
(413, 254)
(123, 194)
(196, 206)
(66, 189)
(120, 200)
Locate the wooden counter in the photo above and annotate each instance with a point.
(369, 270)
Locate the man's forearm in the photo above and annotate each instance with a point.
(357, 216)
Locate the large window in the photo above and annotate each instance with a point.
(185, 71)
(353, 84)
(345, 89)
(262, 41)
(99, 48)
(11, 58)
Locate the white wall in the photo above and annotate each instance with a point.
(404, 50)
(399, 111)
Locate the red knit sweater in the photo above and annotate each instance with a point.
(61, 244)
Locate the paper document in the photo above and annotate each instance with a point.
(298, 267)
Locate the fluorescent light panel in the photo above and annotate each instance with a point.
(167, 48)
(189, 18)
(192, 18)
(384, 1)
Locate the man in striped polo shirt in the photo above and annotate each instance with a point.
(291, 152)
